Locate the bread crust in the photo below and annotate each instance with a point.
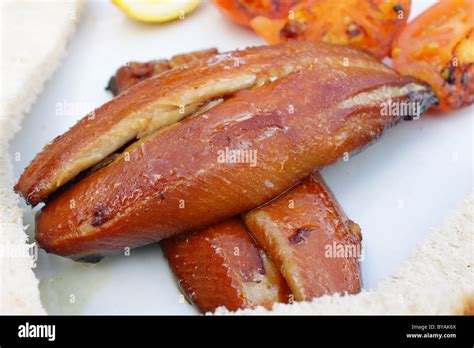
(172, 181)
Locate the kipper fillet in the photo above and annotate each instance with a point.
(312, 242)
(300, 106)
(135, 72)
(222, 266)
(214, 269)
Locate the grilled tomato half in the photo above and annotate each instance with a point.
(367, 24)
(243, 11)
(438, 47)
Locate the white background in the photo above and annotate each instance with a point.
(397, 189)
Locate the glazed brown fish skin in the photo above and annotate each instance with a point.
(173, 182)
(222, 266)
(153, 104)
(295, 230)
(304, 231)
(135, 72)
(212, 275)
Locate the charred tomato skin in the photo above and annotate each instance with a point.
(243, 11)
(369, 24)
(438, 47)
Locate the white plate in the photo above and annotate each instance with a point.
(396, 189)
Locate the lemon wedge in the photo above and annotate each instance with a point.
(156, 11)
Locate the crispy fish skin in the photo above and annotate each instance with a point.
(311, 240)
(222, 266)
(172, 181)
(135, 72)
